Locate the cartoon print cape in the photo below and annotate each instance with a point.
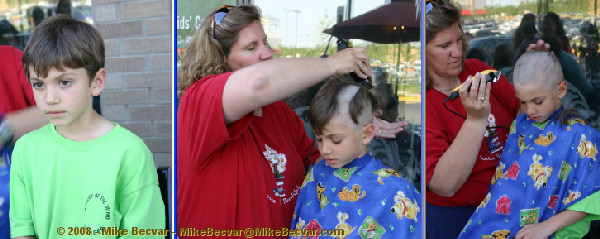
(365, 199)
(545, 168)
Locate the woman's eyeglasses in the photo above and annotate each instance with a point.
(218, 17)
(431, 3)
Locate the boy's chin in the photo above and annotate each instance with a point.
(335, 163)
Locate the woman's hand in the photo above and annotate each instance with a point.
(387, 130)
(539, 46)
(351, 60)
(534, 231)
(477, 100)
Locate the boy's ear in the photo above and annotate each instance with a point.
(562, 89)
(98, 82)
(367, 134)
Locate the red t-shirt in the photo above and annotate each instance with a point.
(224, 179)
(15, 90)
(442, 126)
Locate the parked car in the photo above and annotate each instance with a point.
(488, 45)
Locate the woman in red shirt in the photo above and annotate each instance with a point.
(241, 152)
(462, 148)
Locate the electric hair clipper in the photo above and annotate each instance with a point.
(490, 76)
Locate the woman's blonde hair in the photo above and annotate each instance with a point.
(207, 55)
(440, 18)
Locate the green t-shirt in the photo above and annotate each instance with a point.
(98, 186)
(578, 229)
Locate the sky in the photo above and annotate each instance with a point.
(311, 12)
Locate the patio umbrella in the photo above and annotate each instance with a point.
(391, 23)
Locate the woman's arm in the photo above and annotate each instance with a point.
(546, 228)
(456, 164)
(264, 83)
(25, 120)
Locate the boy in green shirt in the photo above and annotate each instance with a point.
(81, 175)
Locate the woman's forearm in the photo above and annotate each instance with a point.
(456, 164)
(269, 81)
(25, 120)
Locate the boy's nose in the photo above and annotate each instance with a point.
(530, 110)
(325, 149)
(51, 96)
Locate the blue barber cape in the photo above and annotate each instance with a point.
(365, 199)
(545, 168)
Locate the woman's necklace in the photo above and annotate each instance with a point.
(449, 89)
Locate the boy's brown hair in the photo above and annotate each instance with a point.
(327, 103)
(61, 41)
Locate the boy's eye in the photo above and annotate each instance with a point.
(538, 102)
(37, 85)
(64, 83)
(336, 141)
(319, 140)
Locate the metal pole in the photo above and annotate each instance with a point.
(286, 27)
(349, 9)
(296, 44)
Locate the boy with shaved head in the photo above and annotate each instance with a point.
(350, 190)
(546, 183)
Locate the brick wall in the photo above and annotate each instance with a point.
(138, 93)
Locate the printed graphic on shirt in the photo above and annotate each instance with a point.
(352, 195)
(371, 229)
(404, 207)
(572, 197)
(541, 125)
(384, 173)
(545, 140)
(587, 149)
(484, 202)
(499, 234)
(513, 128)
(529, 216)
(503, 205)
(538, 172)
(513, 171)
(492, 138)
(278, 162)
(565, 169)
(97, 205)
(522, 145)
(552, 200)
(323, 200)
(499, 173)
(343, 225)
(309, 178)
(344, 173)
(574, 121)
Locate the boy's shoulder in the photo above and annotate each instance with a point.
(368, 169)
(574, 128)
(121, 138)
(43, 133)
(117, 138)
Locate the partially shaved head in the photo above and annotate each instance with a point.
(341, 96)
(540, 67)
